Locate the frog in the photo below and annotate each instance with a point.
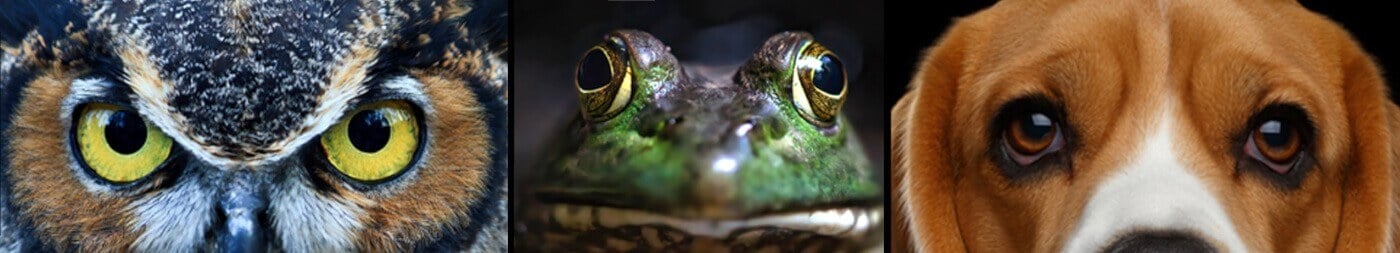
(666, 155)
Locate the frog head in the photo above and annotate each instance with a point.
(703, 151)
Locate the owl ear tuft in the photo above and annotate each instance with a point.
(49, 19)
(489, 21)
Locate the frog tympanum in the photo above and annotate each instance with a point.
(666, 155)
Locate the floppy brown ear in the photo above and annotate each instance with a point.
(1392, 203)
(1368, 185)
(1393, 239)
(921, 175)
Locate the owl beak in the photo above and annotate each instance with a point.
(241, 207)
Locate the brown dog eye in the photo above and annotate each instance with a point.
(1031, 136)
(1276, 144)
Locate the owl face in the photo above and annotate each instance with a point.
(302, 126)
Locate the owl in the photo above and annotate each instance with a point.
(253, 125)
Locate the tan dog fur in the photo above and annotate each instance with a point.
(1112, 65)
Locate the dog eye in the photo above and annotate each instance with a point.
(1274, 143)
(1030, 136)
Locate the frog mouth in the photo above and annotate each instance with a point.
(843, 222)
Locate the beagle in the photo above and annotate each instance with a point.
(1125, 126)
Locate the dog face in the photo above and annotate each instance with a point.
(1077, 126)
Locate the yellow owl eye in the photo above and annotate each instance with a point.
(118, 145)
(374, 142)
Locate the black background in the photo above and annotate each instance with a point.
(914, 25)
(550, 36)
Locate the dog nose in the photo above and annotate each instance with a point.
(1159, 242)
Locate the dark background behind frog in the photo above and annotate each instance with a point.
(919, 23)
(551, 36)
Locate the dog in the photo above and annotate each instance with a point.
(1124, 126)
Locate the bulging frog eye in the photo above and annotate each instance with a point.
(819, 84)
(604, 82)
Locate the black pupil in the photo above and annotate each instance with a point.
(594, 71)
(369, 131)
(1037, 126)
(125, 132)
(1275, 133)
(830, 77)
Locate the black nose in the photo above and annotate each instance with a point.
(1158, 241)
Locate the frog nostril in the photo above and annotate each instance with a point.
(743, 129)
(671, 125)
(766, 128)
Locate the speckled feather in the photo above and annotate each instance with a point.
(263, 65)
(243, 86)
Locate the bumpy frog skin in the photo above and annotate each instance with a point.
(705, 157)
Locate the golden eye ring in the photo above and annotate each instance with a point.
(604, 81)
(818, 84)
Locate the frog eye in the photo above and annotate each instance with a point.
(118, 145)
(604, 82)
(374, 142)
(819, 84)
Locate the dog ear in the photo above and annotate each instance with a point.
(921, 176)
(1393, 238)
(1369, 186)
(1391, 194)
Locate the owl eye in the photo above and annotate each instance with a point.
(604, 81)
(819, 84)
(374, 142)
(117, 144)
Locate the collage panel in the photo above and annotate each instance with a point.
(254, 126)
(705, 126)
(1143, 126)
(698, 126)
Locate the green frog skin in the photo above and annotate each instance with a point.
(669, 156)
